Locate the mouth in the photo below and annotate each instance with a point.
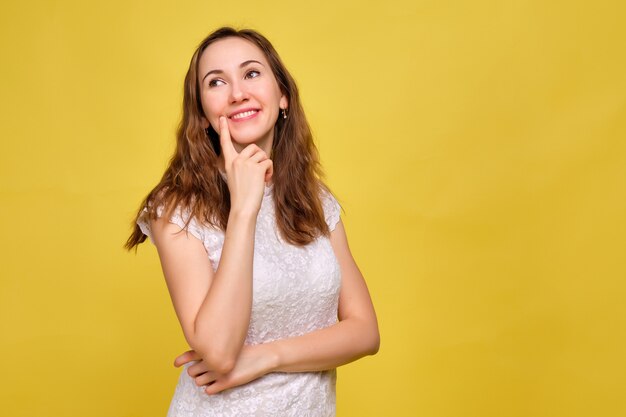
(244, 115)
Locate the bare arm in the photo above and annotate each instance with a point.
(354, 336)
(214, 307)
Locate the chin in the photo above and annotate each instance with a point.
(245, 140)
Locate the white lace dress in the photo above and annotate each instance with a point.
(295, 291)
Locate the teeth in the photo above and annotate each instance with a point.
(244, 114)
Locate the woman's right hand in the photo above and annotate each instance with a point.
(246, 172)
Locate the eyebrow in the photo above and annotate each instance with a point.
(219, 71)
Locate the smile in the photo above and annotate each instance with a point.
(244, 115)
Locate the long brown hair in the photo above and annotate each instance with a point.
(192, 180)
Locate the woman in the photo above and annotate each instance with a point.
(267, 293)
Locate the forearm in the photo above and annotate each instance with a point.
(319, 350)
(222, 321)
(327, 348)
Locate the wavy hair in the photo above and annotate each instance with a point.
(192, 181)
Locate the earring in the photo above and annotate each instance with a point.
(284, 111)
(206, 131)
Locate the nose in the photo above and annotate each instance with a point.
(238, 92)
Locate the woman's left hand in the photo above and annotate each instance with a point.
(253, 362)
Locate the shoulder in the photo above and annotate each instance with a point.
(180, 217)
(332, 208)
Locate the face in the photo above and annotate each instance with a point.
(236, 81)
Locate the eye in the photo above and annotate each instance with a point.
(215, 82)
(252, 74)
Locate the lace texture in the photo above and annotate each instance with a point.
(295, 291)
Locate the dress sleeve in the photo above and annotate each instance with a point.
(178, 218)
(332, 209)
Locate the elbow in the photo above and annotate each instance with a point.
(370, 339)
(221, 364)
(216, 360)
(373, 344)
(218, 355)
(373, 338)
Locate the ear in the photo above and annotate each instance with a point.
(204, 121)
(283, 103)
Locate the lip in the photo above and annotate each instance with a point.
(257, 111)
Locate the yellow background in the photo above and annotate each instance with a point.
(478, 148)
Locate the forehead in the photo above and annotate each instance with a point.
(226, 54)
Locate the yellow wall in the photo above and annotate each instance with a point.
(478, 147)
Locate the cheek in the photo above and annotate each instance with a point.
(212, 109)
(269, 91)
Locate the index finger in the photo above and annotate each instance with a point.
(226, 142)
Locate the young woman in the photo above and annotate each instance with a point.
(252, 247)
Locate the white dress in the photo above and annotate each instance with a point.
(295, 291)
